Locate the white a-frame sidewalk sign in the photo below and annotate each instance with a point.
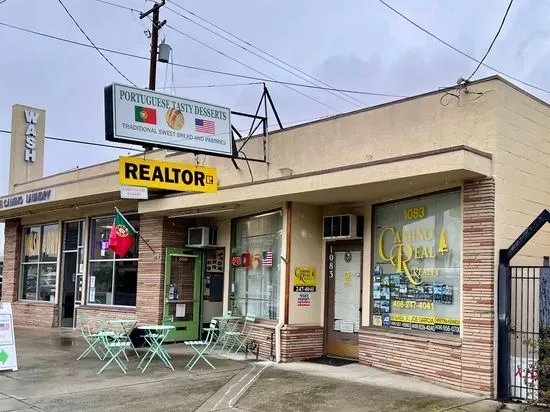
(8, 356)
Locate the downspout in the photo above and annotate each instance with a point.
(283, 320)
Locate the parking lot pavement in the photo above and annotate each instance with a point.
(51, 379)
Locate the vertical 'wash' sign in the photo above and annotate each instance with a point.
(30, 136)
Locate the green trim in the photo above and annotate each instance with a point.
(191, 331)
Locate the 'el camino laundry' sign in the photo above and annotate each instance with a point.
(26, 199)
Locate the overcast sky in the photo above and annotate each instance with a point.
(354, 44)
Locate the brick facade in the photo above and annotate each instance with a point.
(41, 314)
(12, 260)
(463, 363)
(97, 313)
(160, 232)
(263, 333)
(302, 342)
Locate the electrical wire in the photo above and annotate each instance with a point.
(460, 51)
(203, 69)
(202, 86)
(93, 44)
(263, 51)
(493, 42)
(84, 142)
(248, 66)
(347, 100)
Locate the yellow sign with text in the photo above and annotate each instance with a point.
(158, 174)
(305, 280)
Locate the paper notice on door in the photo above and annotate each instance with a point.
(346, 326)
(337, 324)
(180, 310)
(92, 281)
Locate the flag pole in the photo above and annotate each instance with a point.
(131, 227)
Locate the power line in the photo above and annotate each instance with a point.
(347, 100)
(494, 39)
(185, 66)
(119, 6)
(84, 142)
(261, 50)
(93, 44)
(199, 86)
(248, 66)
(460, 51)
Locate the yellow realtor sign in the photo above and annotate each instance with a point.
(167, 175)
(305, 279)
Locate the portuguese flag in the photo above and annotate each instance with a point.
(122, 235)
(145, 115)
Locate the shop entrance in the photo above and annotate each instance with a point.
(343, 314)
(182, 293)
(71, 276)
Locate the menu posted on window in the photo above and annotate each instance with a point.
(8, 355)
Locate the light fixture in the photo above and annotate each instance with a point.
(192, 213)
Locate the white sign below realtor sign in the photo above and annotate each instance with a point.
(148, 118)
(133, 192)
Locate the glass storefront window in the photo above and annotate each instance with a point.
(256, 256)
(39, 266)
(416, 276)
(112, 280)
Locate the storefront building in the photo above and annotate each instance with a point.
(371, 235)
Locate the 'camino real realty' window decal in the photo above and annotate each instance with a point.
(26, 199)
(416, 278)
(157, 174)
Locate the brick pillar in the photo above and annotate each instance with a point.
(12, 260)
(150, 277)
(478, 286)
(160, 232)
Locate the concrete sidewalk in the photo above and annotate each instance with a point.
(50, 379)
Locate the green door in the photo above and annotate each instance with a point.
(182, 292)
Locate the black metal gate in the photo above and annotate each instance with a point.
(523, 322)
(523, 333)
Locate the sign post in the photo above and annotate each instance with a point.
(8, 355)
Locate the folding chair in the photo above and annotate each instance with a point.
(222, 327)
(90, 337)
(240, 337)
(201, 346)
(114, 347)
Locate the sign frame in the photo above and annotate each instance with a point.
(164, 175)
(8, 352)
(110, 125)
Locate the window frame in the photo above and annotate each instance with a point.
(38, 263)
(233, 299)
(90, 260)
(448, 336)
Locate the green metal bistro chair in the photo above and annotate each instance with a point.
(91, 338)
(115, 345)
(240, 337)
(201, 346)
(222, 327)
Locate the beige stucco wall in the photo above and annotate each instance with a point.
(306, 251)
(522, 171)
(410, 126)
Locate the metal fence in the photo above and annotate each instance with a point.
(524, 332)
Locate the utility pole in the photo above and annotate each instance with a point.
(154, 40)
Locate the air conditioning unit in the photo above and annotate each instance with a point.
(202, 236)
(343, 227)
